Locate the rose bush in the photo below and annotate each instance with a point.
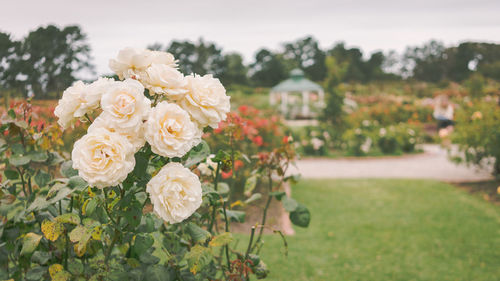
(477, 133)
(131, 203)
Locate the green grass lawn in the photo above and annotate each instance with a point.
(389, 230)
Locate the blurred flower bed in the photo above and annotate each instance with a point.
(477, 133)
(263, 138)
(369, 139)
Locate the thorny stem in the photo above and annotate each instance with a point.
(106, 207)
(22, 181)
(250, 242)
(117, 232)
(264, 215)
(217, 171)
(227, 230)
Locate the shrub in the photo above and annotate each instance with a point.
(477, 133)
(131, 210)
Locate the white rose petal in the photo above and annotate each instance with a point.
(208, 168)
(135, 135)
(175, 193)
(206, 100)
(170, 131)
(132, 63)
(165, 80)
(125, 105)
(103, 158)
(78, 100)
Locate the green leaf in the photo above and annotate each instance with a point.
(142, 243)
(277, 194)
(141, 164)
(198, 234)
(69, 218)
(11, 113)
(250, 184)
(159, 273)
(52, 230)
(89, 206)
(289, 204)
(198, 257)
(30, 242)
(261, 270)
(67, 169)
(147, 258)
(253, 198)
(21, 124)
(223, 188)
(55, 158)
(61, 276)
(38, 156)
(17, 148)
(42, 178)
(77, 182)
(221, 240)
(11, 174)
(38, 204)
(77, 233)
(36, 273)
(159, 249)
(236, 216)
(61, 194)
(301, 216)
(133, 214)
(19, 160)
(75, 267)
(40, 257)
(198, 154)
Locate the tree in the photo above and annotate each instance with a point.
(234, 72)
(200, 58)
(268, 69)
(333, 113)
(353, 57)
(52, 58)
(306, 54)
(426, 63)
(9, 61)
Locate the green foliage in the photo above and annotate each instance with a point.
(477, 134)
(370, 139)
(55, 226)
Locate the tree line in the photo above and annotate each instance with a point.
(50, 58)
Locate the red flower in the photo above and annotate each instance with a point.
(238, 164)
(258, 140)
(243, 109)
(226, 175)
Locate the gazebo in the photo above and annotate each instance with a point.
(298, 97)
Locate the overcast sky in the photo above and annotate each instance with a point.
(245, 26)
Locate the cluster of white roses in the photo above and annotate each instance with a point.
(186, 104)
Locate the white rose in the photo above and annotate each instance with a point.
(135, 135)
(170, 131)
(77, 100)
(97, 88)
(208, 167)
(103, 158)
(165, 80)
(132, 63)
(125, 105)
(206, 100)
(175, 193)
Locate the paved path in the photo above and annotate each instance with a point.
(432, 164)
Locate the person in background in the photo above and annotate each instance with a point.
(443, 113)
